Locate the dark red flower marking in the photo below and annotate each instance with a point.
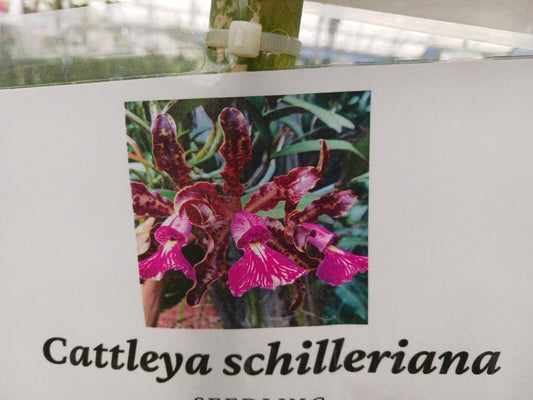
(202, 204)
(283, 243)
(236, 151)
(213, 266)
(335, 205)
(168, 153)
(150, 203)
(290, 187)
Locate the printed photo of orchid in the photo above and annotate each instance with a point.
(251, 212)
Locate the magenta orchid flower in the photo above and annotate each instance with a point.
(338, 266)
(260, 266)
(172, 235)
(208, 214)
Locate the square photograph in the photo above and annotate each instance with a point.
(251, 212)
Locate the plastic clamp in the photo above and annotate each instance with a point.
(246, 39)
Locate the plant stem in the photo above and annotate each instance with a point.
(277, 16)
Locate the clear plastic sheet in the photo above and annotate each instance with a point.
(157, 38)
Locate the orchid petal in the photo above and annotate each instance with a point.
(298, 297)
(280, 242)
(168, 152)
(247, 227)
(290, 187)
(150, 203)
(216, 242)
(335, 205)
(324, 157)
(318, 236)
(260, 266)
(236, 151)
(173, 234)
(176, 228)
(167, 257)
(142, 232)
(201, 203)
(340, 266)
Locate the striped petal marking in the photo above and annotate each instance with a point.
(172, 235)
(260, 266)
(338, 266)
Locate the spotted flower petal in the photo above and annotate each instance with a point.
(202, 204)
(290, 187)
(150, 203)
(282, 242)
(236, 151)
(173, 234)
(335, 204)
(338, 266)
(215, 241)
(168, 153)
(260, 266)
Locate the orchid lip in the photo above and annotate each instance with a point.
(260, 266)
(173, 234)
(318, 236)
(247, 227)
(167, 257)
(340, 266)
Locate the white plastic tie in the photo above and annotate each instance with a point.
(246, 39)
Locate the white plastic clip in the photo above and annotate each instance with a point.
(244, 38)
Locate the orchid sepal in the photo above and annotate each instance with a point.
(168, 153)
(149, 203)
(236, 151)
(290, 187)
(215, 241)
(334, 205)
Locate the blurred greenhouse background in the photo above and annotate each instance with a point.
(84, 40)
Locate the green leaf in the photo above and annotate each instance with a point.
(181, 108)
(358, 211)
(314, 145)
(353, 100)
(352, 242)
(175, 291)
(355, 298)
(293, 125)
(279, 211)
(169, 194)
(364, 103)
(331, 119)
